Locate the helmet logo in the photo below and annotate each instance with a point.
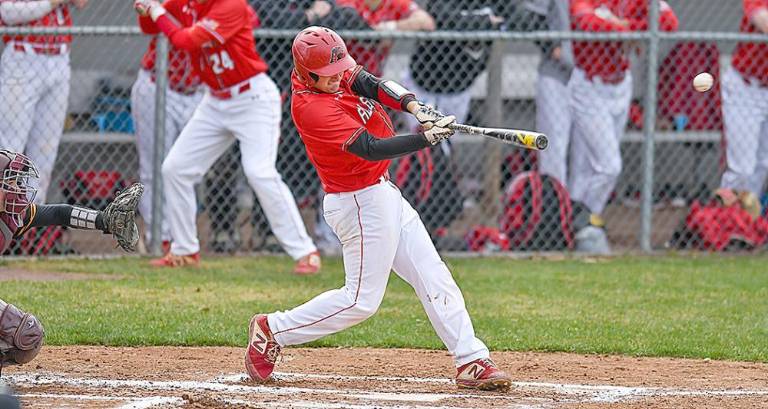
(337, 53)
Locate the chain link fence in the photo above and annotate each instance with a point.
(636, 155)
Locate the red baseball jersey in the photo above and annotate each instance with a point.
(370, 54)
(608, 60)
(329, 123)
(228, 56)
(751, 59)
(58, 17)
(181, 76)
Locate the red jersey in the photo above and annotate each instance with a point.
(181, 76)
(751, 59)
(58, 17)
(609, 60)
(371, 54)
(329, 123)
(228, 53)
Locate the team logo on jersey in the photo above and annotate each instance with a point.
(209, 24)
(337, 53)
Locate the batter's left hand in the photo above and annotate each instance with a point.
(439, 130)
(425, 114)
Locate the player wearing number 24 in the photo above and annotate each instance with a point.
(337, 108)
(242, 102)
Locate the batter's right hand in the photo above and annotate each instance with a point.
(439, 130)
(426, 114)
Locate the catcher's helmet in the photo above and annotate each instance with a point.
(16, 169)
(319, 51)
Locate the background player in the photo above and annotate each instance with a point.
(34, 85)
(600, 90)
(349, 138)
(182, 97)
(745, 106)
(242, 103)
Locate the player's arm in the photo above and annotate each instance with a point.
(19, 12)
(388, 93)
(222, 22)
(757, 13)
(415, 19)
(62, 215)
(667, 19)
(585, 18)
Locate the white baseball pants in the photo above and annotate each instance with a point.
(600, 111)
(745, 116)
(253, 117)
(553, 118)
(34, 91)
(379, 232)
(178, 110)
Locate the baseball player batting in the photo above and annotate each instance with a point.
(337, 107)
(183, 96)
(242, 103)
(745, 105)
(34, 85)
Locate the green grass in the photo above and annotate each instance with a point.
(683, 306)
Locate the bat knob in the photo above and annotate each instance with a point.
(541, 142)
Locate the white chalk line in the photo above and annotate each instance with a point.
(587, 393)
(134, 403)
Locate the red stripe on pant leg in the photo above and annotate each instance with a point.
(359, 276)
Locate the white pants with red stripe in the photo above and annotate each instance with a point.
(380, 232)
(600, 111)
(34, 91)
(745, 114)
(179, 108)
(253, 117)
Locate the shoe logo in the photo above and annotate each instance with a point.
(475, 371)
(260, 343)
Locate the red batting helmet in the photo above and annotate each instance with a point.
(319, 51)
(16, 170)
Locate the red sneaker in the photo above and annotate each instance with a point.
(173, 260)
(308, 265)
(262, 351)
(482, 374)
(165, 246)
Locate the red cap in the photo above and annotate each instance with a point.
(320, 51)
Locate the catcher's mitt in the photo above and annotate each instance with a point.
(120, 217)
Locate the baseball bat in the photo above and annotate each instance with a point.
(524, 139)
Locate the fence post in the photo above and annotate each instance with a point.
(494, 103)
(161, 82)
(649, 125)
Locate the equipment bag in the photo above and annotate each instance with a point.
(537, 214)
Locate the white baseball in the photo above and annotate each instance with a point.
(703, 82)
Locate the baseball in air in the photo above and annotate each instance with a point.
(703, 82)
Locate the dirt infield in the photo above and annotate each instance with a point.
(163, 378)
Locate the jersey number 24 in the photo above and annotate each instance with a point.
(220, 62)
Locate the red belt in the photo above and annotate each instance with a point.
(41, 49)
(227, 93)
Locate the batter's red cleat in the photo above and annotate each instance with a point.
(173, 260)
(482, 374)
(308, 265)
(263, 351)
